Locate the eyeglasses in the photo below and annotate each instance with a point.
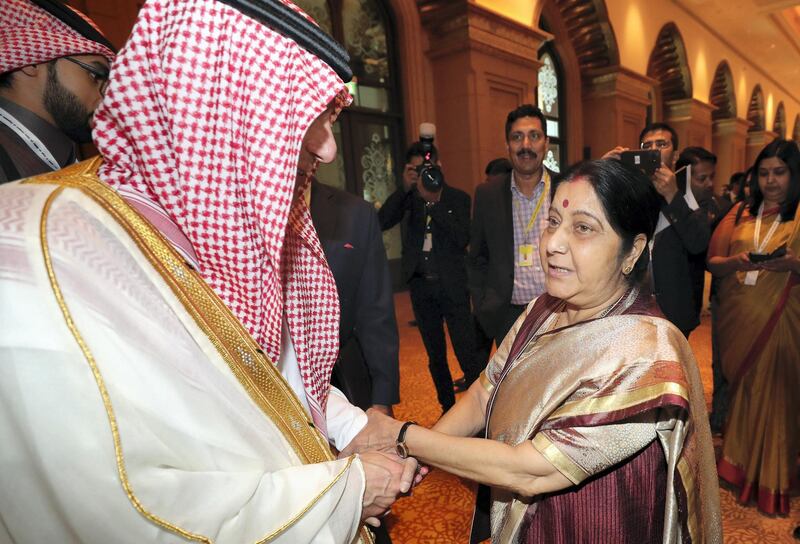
(98, 75)
(657, 144)
(519, 137)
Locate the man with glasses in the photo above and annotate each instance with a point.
(53, 72)
(682, 232)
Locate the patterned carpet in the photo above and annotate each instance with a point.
(440, 509)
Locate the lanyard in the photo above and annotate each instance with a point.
(759, 248)
(538, 204)
(30, 139)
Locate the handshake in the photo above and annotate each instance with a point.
(387, 474)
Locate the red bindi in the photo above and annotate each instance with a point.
(565, 203)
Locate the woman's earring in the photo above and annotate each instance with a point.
(627, 270)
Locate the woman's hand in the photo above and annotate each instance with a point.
(742, 263)
(787, 263)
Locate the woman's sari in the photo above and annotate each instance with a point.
(759, 329)
(616, 405)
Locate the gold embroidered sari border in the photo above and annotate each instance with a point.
(485, 382)
(621, 401)
(563, 464)
(688, 483)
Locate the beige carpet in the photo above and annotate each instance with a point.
(440, 509)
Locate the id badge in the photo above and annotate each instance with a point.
(427, 244)
(751, 277)
(525, 255)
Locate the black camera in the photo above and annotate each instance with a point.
(430, 174)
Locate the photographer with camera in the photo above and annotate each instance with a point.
(683, 229)
(435, 238)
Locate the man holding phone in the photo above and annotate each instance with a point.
(685, 231)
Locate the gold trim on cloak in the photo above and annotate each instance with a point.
(252, 368)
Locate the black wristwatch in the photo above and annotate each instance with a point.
(400, 444)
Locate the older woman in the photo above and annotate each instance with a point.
(762, 437)
(593, 408)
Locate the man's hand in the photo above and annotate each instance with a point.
(385, 409)
(387, 476)
(665, 183)
(615, 153)
(380, 433)
(410, 176)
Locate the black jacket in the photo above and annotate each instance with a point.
(491, 252)
(688, 235)
(351, 239)
(449, 230)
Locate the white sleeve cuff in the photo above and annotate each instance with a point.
(344, 420)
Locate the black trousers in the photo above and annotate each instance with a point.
(510, 315)
(432, 308)
(483, 343)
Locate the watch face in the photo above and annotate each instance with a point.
(402, 450)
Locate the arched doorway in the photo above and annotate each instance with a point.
(668, 65)
(779, 125)
(369, 133)
(722, 95)
(584, 47)
(755, 111)
(550, 98)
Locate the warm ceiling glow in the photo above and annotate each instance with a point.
(769, 114)
(517, 10)
(701, 84)
(632, 42)
(792, 16)
(742, 94)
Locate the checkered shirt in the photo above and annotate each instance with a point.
(528, 280)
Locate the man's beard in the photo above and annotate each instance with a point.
(69, 114)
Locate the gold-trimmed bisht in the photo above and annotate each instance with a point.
(249, 364)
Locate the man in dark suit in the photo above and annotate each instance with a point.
(509, 217)
(685, 232)
(367, 371)
(435, 238)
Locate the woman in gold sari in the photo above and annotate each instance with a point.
(596, 426)
(762, 433)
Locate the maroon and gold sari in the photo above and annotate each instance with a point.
(616, 405)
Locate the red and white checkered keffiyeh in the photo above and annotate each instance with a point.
(30, 35)
(205, 114)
